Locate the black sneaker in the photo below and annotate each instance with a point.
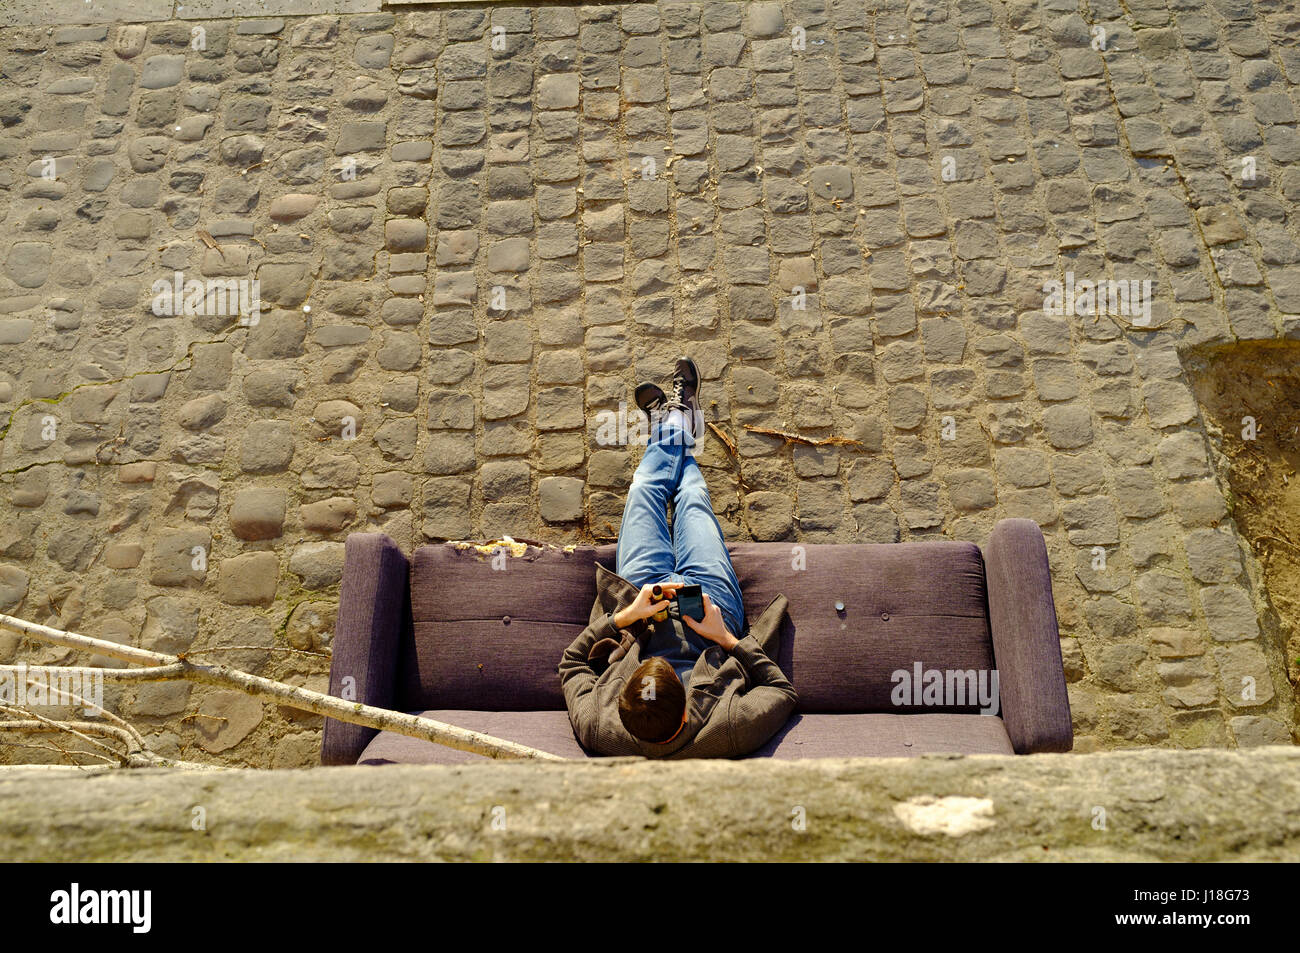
(686, 394)
(651, 399)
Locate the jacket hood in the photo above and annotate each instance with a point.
(615, 591)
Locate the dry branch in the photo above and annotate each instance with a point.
(166, 667)
(256, 648)
(1130, 326)
(108, 716)
(807, 441)
(726, 441)
(104, 760)
(157, 673)
(78, 729)
(133, 757)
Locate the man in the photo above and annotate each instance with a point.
(676, 688)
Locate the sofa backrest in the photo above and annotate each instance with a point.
(490, 639)
(904, 604)
(486, 638)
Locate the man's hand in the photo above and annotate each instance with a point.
(712, 628)
(644, 605)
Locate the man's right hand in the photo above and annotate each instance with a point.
(644, 605)
(713, 627)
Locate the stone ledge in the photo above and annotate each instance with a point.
(44, 13)
(1160, 805)
(68, 12)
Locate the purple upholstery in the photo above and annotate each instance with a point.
(903, 603)
(805, 736)
(480, 646)
(374, 618)
(490, 639)
(1026, 641)
(879, 735)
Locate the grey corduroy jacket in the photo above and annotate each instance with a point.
(736, 700)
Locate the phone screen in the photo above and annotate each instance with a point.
(690, 602)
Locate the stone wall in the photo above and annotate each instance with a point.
(1133, 806)
(475, 230)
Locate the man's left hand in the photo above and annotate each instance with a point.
(712, 628)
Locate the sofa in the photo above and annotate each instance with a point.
(465, 637)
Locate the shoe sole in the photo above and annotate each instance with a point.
(699, 404)
(650, 389)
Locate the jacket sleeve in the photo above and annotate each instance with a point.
(759, 712)
(578, 676)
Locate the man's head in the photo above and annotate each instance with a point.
(652, 706)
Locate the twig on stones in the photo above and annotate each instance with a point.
(70, 727)
(107, 715)
(57, 749)
(735, 455)
(133, 758)
(726, 441)
(1289, 545)
(1129, 326)
(78, 729)
(834, 441)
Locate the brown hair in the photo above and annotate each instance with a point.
(656, 719)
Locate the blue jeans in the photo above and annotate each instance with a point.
(692, 550)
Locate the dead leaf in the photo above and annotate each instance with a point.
(210, 242)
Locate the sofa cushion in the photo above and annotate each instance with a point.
(491, 638)
(904, 603)
(804, 736)
(545, 730)
(880, 735)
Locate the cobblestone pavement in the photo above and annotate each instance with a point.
(473, 231)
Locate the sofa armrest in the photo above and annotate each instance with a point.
(374, 610)
(1026, 642)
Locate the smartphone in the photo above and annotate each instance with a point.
(690, 602)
